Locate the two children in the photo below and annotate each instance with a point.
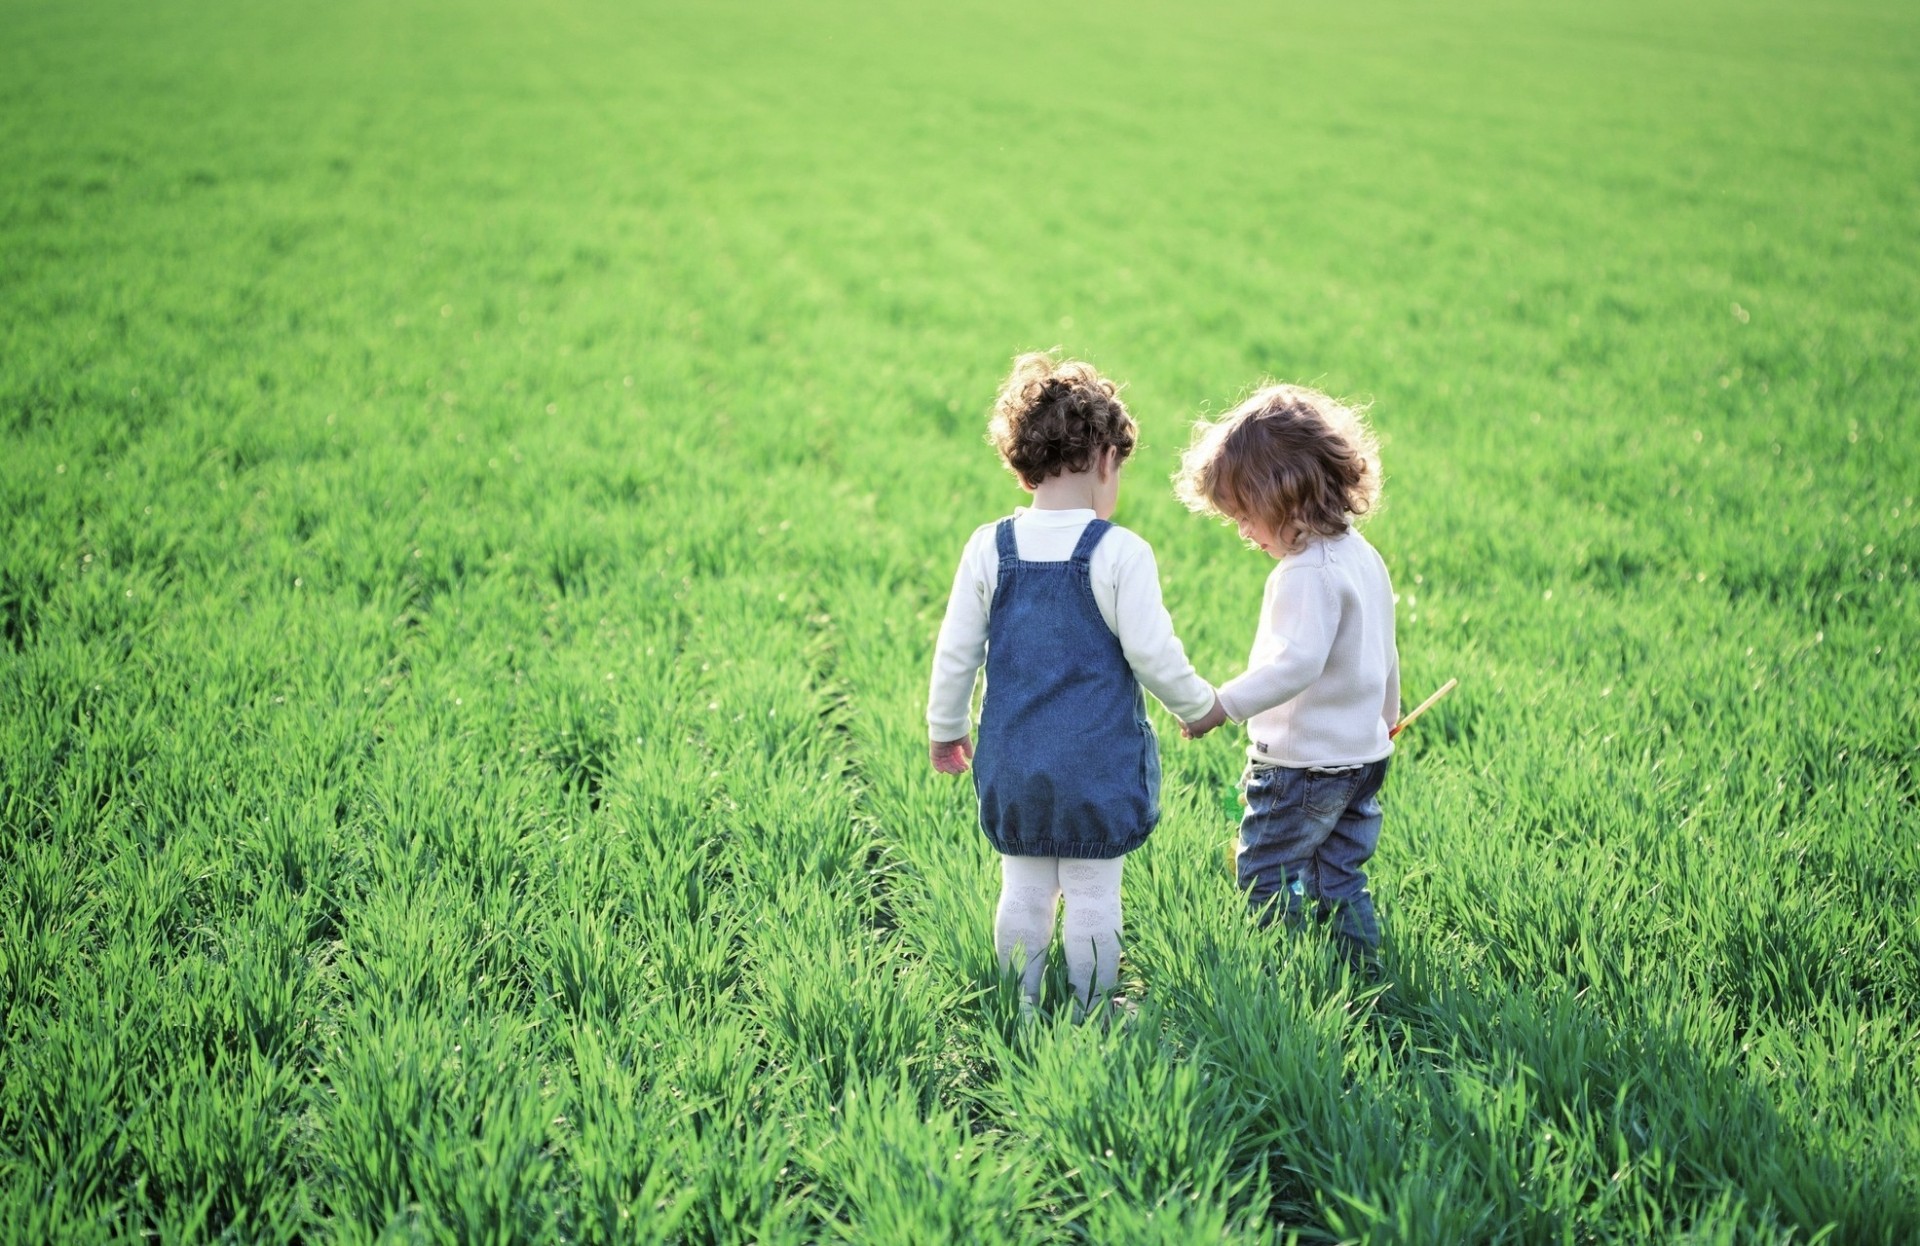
(1064, 610)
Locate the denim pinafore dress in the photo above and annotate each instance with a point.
(1067, 764)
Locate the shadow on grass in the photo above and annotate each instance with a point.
(1440, 1108)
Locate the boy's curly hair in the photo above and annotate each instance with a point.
(1286, 456)
(1053, 417)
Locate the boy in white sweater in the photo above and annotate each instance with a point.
(1294, 469)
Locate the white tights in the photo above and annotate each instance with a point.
(1030, 888)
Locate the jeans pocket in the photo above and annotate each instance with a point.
(1326, 794)
(1267, 788)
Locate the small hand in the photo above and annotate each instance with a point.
(951, 756)
(1206, 722)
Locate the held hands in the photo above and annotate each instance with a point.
(1206, 722)
(951, 756)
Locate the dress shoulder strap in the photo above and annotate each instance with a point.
(1003, 541)
(1090, 537)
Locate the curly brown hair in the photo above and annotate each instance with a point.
(1053, 416)
(1289, 457)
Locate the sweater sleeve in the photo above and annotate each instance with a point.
(1145, 629)
(1303, 615)
(1390, 706)
(960, 651)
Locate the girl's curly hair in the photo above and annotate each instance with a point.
(1053, 417)
(1287, 456)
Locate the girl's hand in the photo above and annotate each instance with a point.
(1206, 722)
(951, 756)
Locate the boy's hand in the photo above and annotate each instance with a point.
(951, 756)
(1206, 722)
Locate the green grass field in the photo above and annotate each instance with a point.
(481, 481)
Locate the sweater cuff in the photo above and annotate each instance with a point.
(945, 732)
(1230, 703)
(1196, 702)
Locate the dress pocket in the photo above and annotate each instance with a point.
(1150, 769)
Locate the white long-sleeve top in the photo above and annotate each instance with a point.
(1126, 587)
(1322, 686)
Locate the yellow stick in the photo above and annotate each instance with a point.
(1422, 708)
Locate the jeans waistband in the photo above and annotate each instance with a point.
(1261, 763)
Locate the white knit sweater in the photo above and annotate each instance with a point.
(1322, 686)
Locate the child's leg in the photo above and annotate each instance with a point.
(1340, 881)
(1023, 924)
(1091, 927)
(1286, 821)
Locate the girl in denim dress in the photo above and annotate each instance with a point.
(1294, 469)
(1064, 611)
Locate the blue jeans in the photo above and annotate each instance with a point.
(1304, 837)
